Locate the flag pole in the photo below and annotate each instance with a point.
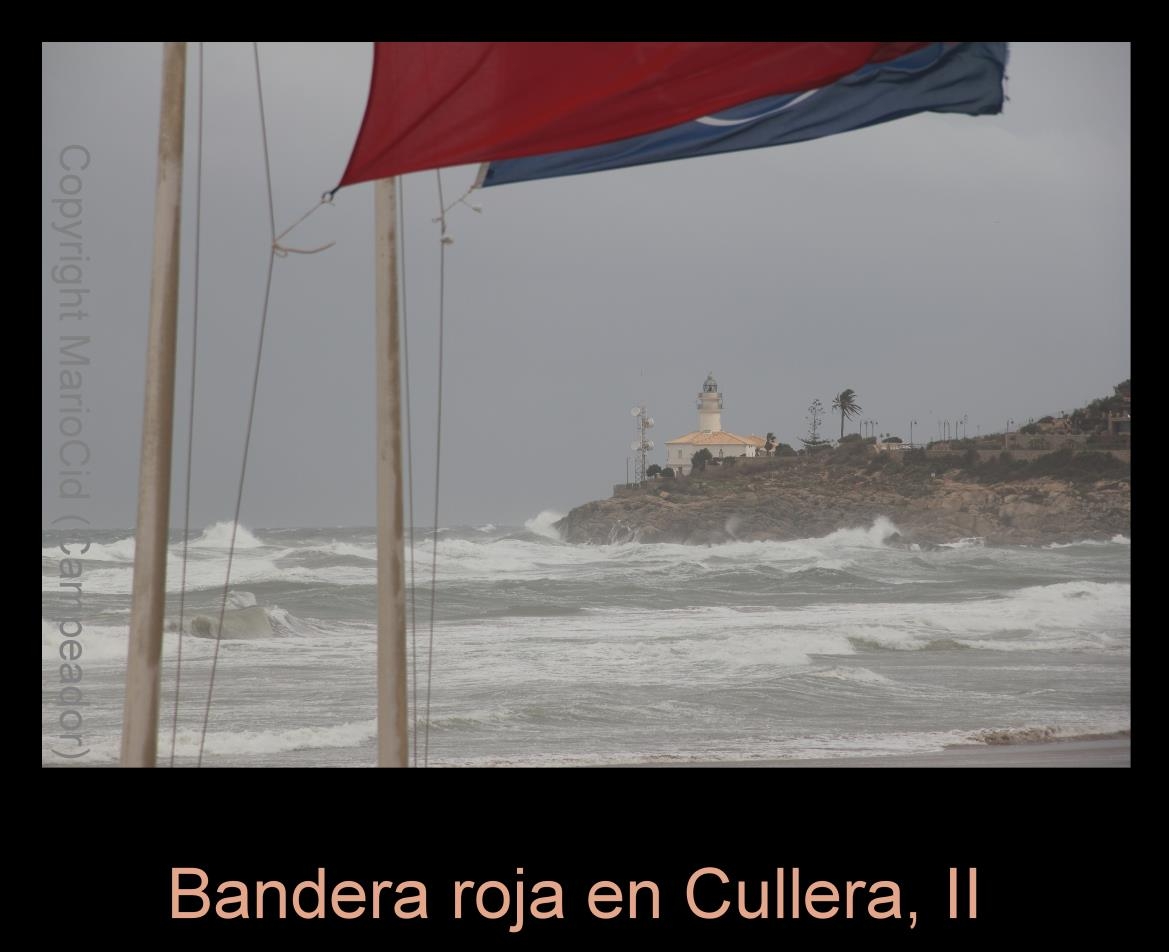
(140, 712)
(392, 744)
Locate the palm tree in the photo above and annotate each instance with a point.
(845, 402)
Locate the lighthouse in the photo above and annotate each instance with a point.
(710, 407)
(710, 434)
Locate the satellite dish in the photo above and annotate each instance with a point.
(650, 444)
(635, 411)
(635, 445)
(649, 422)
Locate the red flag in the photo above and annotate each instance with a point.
(433, 105)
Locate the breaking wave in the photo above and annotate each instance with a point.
(218, 536)
(542, 524)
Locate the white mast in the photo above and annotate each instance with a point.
(140, 713)
(392, 744)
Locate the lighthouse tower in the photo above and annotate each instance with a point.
(710, 435)
(710, 405)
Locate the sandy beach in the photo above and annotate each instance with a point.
(1097, 752)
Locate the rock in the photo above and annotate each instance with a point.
(796, 501)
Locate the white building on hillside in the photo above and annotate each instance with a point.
(710, 434)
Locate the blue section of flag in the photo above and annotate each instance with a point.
(942, 77)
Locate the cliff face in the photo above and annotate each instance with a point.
(811, 497)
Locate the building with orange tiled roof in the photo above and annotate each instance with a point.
(710, 434)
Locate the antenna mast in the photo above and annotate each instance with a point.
(642, 444)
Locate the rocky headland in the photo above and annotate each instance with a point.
(1062, 497)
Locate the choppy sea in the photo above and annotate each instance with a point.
(546, 653)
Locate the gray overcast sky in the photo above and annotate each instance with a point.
(938, 265)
